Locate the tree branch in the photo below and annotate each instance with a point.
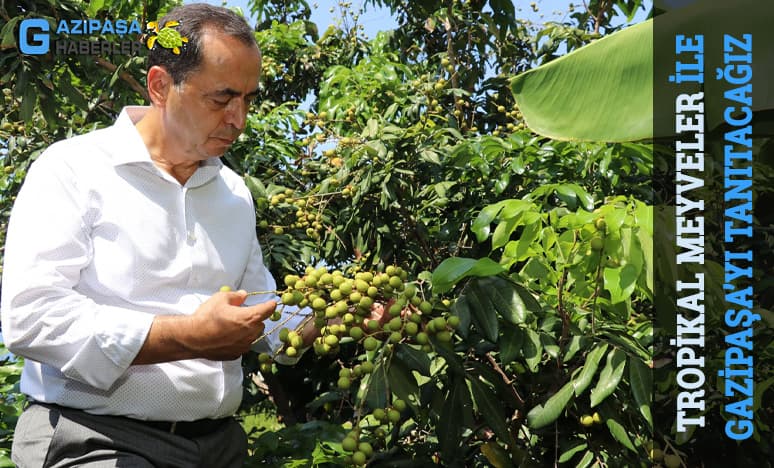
(124, 75)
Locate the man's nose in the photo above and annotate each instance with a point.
(236, 113)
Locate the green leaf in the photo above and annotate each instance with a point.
(454, 269)
(491, 409)
(641, 382)
(8, 34)
(581, 383)
(569, 453)
(373, 388)
(532, 350)
(620, 282)
(619, 433)
(481, 225)
(415, 359)
(94, 7)
(506, 298)
(452, 418)
(483, 314)
(600, 92)
(610, 376)
(402, 382)
(543, 415)
(510, 344)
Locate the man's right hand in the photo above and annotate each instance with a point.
(220, 330)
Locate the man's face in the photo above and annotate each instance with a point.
(206, 112)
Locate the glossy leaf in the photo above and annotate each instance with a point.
(545, 414)
(583, 380)
(454, 269)
(600, 92)
(641, 383)
(610, 376)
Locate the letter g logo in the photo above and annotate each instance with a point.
(39, 44)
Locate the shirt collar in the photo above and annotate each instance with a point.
(134, 151)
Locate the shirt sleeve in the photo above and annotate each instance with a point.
(45, 318)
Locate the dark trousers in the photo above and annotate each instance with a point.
(50, 436)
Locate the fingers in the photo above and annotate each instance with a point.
(260, 312)
(236, 298)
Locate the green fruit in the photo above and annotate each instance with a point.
(411, 328)
(601, 224)
(331, 340)
(367, 367)
(425, 307)
(356, 333)
(395, 324)
(444, 336)
(422, 338)
(393, 415)
(349, 444)
(672, 461)
(395, 309)
(287, 298)
(284, 334)
(366, 448)
(291, 351)
(380, 414)
(370, 343)
(291, 280)
(344, 372)
(395, 282)
(373, 325)
(597, 418)
(453, 321)
(395, 337)
(399, 405)
(361, 285)
(343, 383)
(358, 458)
(656, 454)
(263, 358)
(439, 323)
(586, 420)
(597, 244)
(410, 291)
(319, 304)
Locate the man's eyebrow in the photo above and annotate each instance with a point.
(233, 93)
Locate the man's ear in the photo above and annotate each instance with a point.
(159, 84)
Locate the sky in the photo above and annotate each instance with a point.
(379, 19)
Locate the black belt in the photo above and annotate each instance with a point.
(187, 429)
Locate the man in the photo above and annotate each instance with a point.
(117, 245)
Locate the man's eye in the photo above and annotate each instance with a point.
(220, 102)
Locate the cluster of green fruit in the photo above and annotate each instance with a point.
(658, 456)
(588, 420)
(343, 308)
(369, 309)
(356, 442)
(306, 217)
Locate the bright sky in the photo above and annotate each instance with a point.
(375, 20)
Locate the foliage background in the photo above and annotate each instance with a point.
(408, 149)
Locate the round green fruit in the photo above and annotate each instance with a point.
(349, 444)
(597, 244)
(358, 458)
(586, 420)
(370, 343)
(343, 383)
(673, 461)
